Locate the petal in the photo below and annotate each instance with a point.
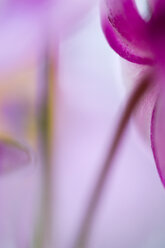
(157, 6)
(132, 74)
(27, 3)
(158, 135)
(124, 29)
(156, 31)
(13, 155)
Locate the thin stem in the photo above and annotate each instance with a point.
(136, 96)
(45, 129)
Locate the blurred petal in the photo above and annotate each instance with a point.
(13, 156)
(124, 29)
(158, 135)
(132, 74)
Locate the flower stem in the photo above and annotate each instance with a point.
(43, 237)
(132, 103)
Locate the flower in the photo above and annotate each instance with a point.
(141, 40)
(138, 39)
(27, 29)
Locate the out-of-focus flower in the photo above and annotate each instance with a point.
(16, 111)
(28, 28)
(140, 39)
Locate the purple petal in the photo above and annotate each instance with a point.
(27, 3)
(157, 6)
(158, 135)
(13, 156)
(124, 29)
(144, 110)
(156, 31)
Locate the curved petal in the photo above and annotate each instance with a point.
(124, 29)
(157, 6)
(158, 135)
(156, 31)
(144, 110)
(13, 156)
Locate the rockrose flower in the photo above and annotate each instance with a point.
(139, 37)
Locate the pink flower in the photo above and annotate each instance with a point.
(141, 40)
(138, 39)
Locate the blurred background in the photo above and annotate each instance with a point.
(90, 92)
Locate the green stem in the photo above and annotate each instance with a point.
(43, 235)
